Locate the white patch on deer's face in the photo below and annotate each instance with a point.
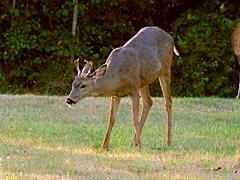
(70, 105)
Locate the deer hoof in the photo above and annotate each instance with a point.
(105, 148)
(136, 142)
(169, 142)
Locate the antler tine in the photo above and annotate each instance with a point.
(76, 62)
(88, 62)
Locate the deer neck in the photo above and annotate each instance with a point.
(103, 87)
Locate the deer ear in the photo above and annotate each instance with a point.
(101, 70)
(87, 68)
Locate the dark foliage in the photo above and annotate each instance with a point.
(37, 47)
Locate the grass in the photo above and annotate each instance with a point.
(41, 138)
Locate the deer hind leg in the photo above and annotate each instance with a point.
(112, 118)
(238, 88)
(147, 103)
(239, 78)
(135, 117)
(165, 80)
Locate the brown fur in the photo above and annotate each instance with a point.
(128, 71)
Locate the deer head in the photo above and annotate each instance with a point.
(85, 82)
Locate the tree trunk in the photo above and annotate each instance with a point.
(74, 28)
(75, 17)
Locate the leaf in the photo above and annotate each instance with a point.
(37, 61)
(50, 48)
(16, 12)
(105, 50)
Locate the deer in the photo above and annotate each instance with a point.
(235, 41)
(128, 71)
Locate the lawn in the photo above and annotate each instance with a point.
(41, 138)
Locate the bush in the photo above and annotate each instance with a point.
(207, 65)
(37, 47)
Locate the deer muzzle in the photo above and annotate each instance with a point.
(70, 102)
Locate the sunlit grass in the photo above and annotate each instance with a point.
(41, 138)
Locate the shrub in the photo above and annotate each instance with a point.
(207, 65)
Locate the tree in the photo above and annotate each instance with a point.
(74, 27)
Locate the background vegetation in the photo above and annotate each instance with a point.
(37, 47)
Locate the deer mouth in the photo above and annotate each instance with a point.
(70, 102)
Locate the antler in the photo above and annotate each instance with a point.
(76, 62)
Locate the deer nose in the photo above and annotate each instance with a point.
(70, 101)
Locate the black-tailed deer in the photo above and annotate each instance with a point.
(235, 40)
(128, 71)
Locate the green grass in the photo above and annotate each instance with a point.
(41, 138)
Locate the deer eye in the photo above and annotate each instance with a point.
(82, 86)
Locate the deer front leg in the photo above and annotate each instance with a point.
(112, 118)
(135, 118)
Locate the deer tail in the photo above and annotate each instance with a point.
(176, 51)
